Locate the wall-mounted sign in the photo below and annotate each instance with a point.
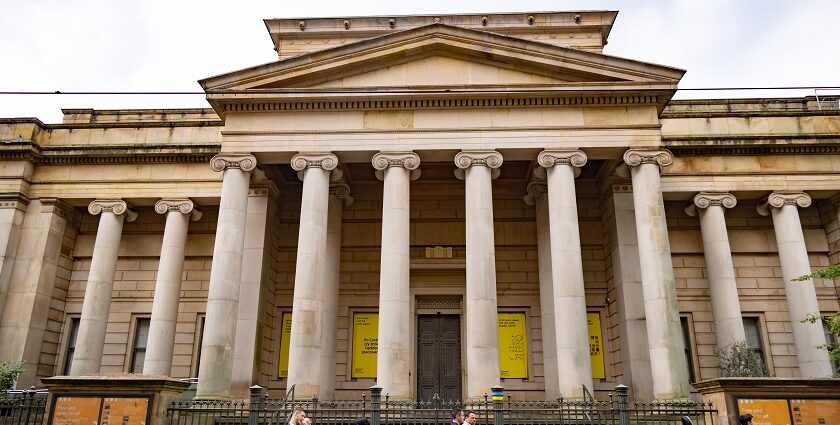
(95, 409)
(766, 411)
(285, 337)
(596, 345)
(365, 344)
(513, 345)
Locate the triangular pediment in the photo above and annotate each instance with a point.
(442, 56)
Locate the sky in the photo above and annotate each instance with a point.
(167, 45)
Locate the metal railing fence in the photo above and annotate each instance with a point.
(23, 408)
(381, 410)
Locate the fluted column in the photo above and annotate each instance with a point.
(808, 338)
(726, 308)
(393, 365)
(478, 168)
(219, 339)
(665, 341)
(305, 345)
(90, 340)
(161, 342)
(570, 322)
(537, 195)
(339, 198)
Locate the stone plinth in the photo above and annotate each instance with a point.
(163, 391)
(725, 392)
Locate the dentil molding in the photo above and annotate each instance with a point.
(114, 206)
(184, 206)
(711, 199)
(408, 160)
(781, 198)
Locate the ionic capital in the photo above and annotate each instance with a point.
(781, 198)
(224, 161)
(183, 206)
(550, 158)
(323, 160)
(114, 206)
(342, 191)
(408, 160)
(487, 158)
(536, 189)
(636, 157)
(710, 199)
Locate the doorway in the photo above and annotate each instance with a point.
(438, 356)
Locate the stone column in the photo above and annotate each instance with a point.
(478, 168)
(218, 341)
(339, 197)
(726, 308)
(808, 338)
(570, 322)
(159, 348)
(24, 323)
(12, 209)
(665, 341)
(537, 195)
(393, 366)
(305, 345)
(90, 340)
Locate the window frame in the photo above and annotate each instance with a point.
(132, 346)
(198, 339)
(66, 336)
(690, 350)
(765, 339)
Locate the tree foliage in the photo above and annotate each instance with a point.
(833, 321)
(9, 373)
(738, 360)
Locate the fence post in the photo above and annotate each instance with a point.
(254, 405)
(375, 399)
(623, 407)
(498, 393)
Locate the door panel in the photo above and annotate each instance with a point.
(439, 357)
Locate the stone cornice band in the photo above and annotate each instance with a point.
(781, 198)
(488, 158)
(114, 206)
(636, 157)
(244, 162)
(711, 199)
(408, 160)
(184, 206)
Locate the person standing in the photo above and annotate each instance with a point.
(297, 416)
(470, 418)
(746, 419)
(457, 417)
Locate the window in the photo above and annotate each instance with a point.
(831, 341)
(689, 358)
(199, 340)
(752, 328)
(73, 332)
(141, 337)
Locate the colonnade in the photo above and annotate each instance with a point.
(562, 292)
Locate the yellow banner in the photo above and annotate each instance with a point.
(365, 344)
(285, 337)
(513, 345)
(596, 345)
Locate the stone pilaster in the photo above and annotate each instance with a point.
(729, 324)
(12, 209)
(219, 339)
(161, 342)
(90, 340)
(339, 198)
(306, 343)
(394, 355)
(24, 323)
(478, 168)
(808, 338)
(537, 196)
(572, 338)
(665, 342)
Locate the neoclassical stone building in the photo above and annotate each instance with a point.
(433, 204)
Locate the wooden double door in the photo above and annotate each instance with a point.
(439, 356)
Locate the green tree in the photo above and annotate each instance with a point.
(738, 360)
(833, 321)
(9, 373)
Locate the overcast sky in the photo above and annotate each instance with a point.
(167, 45)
